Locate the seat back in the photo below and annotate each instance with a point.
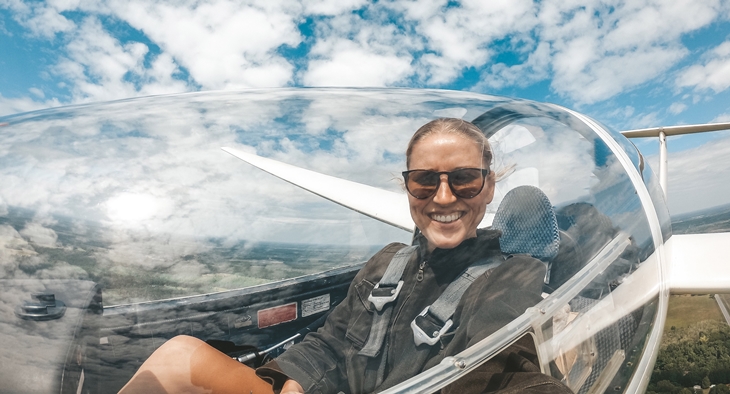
(528, 224)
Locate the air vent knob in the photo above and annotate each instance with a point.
(44, 307)
(34, 308)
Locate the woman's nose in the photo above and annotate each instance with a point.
(443, 194)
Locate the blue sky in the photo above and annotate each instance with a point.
(628, 64)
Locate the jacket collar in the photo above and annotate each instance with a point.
(467, 252)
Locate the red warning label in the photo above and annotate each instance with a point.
(277, 315)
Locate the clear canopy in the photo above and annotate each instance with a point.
(137, 197)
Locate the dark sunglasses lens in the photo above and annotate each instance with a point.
(466, 183)
(422, 184)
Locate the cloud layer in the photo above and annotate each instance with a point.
(587, 51)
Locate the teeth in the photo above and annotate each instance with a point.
(446, 218)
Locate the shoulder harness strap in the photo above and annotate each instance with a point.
(435, 320)
(384, 293)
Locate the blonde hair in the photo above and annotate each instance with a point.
(451, 126)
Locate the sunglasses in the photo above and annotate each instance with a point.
(464, 182)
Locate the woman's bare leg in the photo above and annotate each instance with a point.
(188, 365)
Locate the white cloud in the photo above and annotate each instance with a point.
(722, 118)
(3, 30)
(14, 105)
(61, 270)
(591, 50)
(40, 18)
(354, 50)
(40, 235)
(220, 43)
(615, 74)
(699, 178)
(350, 65)
(37, 92)
(437, 42)
(644, 120)
(677, 108)
(533, 70)
(102, 68)
(223, 44)
(712, 74)
(460, 37)
(621, 113)
(406, 39)
(601, 50)
(650, 23)
(332, 7)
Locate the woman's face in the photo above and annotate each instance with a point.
(445, 219)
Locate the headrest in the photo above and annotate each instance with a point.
(527, 221)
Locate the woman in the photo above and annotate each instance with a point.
(449, 185)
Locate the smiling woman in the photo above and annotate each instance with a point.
(359, 351)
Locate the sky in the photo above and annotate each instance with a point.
(627, 63)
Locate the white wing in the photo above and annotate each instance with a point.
(383, 205)
(699, 263)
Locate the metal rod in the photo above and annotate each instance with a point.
(663, 162)
(251, 356)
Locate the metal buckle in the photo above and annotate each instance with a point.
(419, 336)
(380, 301)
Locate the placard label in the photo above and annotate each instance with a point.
(315, 305)
(277, 315)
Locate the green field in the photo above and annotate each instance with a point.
(685, 310)
(689, 314)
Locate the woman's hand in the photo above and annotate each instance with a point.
(292, 387)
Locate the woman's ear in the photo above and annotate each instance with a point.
(489, 185)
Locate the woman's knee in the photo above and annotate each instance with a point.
(182, 343)
(179, 348)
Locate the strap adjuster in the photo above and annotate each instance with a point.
(387, 294)
(419, 336)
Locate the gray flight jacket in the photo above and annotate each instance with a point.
(327, 361)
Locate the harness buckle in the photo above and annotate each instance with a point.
(386, 295)
(420, 336)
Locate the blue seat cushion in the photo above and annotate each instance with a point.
(528, 224)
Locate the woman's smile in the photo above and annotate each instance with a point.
(446, 218)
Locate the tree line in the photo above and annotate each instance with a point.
(694, 355)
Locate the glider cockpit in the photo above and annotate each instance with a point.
(134, 219)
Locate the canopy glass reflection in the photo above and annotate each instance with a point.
(137, 197)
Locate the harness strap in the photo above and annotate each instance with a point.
(384, 293)
(429, 330)
(435, 319)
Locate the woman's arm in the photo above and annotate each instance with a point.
(318, 363)
(490, 304)
(506, 293)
